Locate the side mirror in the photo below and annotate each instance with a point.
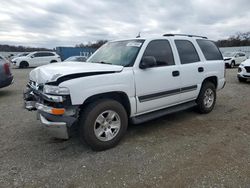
(147, 62)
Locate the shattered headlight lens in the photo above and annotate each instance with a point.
(55, 90)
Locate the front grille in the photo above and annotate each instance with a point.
(247, 69)
(36, 86)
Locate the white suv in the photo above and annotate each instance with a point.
(244, 71)
(232, 59)
(136, 79)
(36, 59)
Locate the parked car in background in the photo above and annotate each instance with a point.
(13, 59)
(6, 78)
(244, 71)
(36, 59)
(77, 58)
(232, 59)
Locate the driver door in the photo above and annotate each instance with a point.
(158, 86)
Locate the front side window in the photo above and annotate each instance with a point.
(186, 51)
(161, 51)
(38, 54)
(121, 53)
(210, 50)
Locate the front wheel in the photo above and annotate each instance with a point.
(103, 123)
(207, 98)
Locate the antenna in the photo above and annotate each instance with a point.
(139, 35)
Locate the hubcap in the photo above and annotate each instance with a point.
(208, 98)
(107, 125)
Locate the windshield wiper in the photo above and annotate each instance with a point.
(103, 62)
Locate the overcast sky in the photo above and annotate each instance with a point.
(51, 23)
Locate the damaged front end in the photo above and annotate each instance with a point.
(53, 106)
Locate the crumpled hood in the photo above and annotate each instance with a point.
(51, 72)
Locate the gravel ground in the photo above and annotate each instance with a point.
(184, 149)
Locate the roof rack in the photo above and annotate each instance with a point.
(187, 35)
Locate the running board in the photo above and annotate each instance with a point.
(156, 114)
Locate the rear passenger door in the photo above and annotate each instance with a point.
(37, 59)
(157, 87)
(191, 69)
(47, 57)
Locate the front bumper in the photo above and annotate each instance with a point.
(58, 126)
(242, 73)
(227, 63)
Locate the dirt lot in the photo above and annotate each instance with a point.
(185, 149)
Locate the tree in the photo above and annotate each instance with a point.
(96, 44)
(239, 39)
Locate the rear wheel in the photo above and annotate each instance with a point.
(23, 64)
(103, 123)
(207, 98)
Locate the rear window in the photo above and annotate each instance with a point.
(209, 49)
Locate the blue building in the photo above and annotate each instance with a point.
(66, 52)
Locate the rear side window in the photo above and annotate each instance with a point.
(161, 50)
(48, 54)
(187, 51)
(209, 49)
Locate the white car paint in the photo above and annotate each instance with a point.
(234, 58)
(36, 59)
(244, 69)
(51, 72)
(133, 81)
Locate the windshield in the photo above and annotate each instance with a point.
(22, 55)
(117, 53)
(229, 54)
(72, 58)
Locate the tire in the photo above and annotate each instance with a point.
(232, 65)
(207, 98)
(94, 121)
(23, 64)
(242, 79)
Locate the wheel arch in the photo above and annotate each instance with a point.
(24, 61)
(119, 96)
(212, 79)
(53, 61)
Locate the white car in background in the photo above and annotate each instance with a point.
(36, 59)
(244, 71)
(232, 59)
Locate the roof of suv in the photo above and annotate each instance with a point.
(166, 36)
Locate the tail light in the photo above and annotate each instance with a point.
(7, 68)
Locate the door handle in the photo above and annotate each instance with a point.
(175, 73)
(200, 69)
